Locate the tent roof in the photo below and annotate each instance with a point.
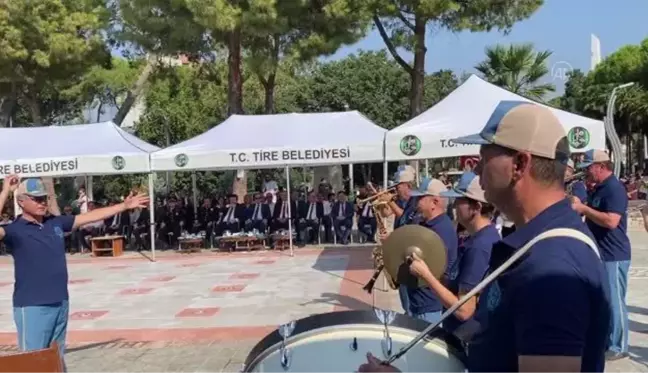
(465, 111)
(80, 140)
(84, 149)
(294, 131)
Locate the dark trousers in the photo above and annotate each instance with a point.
(342, 230)
(259, 225)
(308, 231)
(367, 226)
(328, 227)
(277, 225)
(84, 233)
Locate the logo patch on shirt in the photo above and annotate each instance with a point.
(596, 202)
(59, 232)
(493, 296)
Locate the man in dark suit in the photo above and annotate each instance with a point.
(310, 215)
(140, 228)
(284, 210)
(233, 216)
(342, 215)
(258, 215)
(366, 220)
(118, 224)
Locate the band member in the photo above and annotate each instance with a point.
(424, 303)
(310, 216)
(342, 214)
(606, 216)
(575, 188)
(473, 255)
(550, 311)
(259, 214)
(404, 211)
(36, 240)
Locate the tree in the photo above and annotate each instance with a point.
(45, 48)
(404, 23)
(303, 31)
(517, 68)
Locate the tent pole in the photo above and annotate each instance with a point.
(351, 183)
(89, 186)
(194, 192)
(290, 232)
(151, 183)
(385, 176)
(427, 168)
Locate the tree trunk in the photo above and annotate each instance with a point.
(135, 92)
(34, 110)
(235, 99)
(6, 110)
(418, 71)
(269, 88)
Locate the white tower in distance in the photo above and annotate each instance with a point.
(595, 51)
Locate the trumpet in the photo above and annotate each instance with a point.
(371, 198)
(377, 253)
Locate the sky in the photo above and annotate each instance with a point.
(561, 26)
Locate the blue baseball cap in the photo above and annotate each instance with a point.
(468, 187)
(594, 156)
(523, 126)
(33, 187)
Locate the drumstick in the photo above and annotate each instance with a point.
(485, 282)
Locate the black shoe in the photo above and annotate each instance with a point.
(613, 356)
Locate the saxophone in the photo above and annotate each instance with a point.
(377, 254)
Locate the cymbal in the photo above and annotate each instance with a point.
(408, 239)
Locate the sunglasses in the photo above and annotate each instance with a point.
(40, 200)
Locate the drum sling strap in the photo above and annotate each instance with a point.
(557, 232)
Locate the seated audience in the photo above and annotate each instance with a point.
(310, 214)
(342, 214)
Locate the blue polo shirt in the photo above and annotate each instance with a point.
(554, 301)
(611, 196)
(409, 212)
(41, 275)
(471, 265)
(578, 190)
(424, 300)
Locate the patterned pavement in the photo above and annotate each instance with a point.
(204, 312)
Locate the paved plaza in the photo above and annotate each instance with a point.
(204, 312)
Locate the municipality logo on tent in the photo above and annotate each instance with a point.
(578, 137)
(410, 145)
(181, 160)
(118, 162)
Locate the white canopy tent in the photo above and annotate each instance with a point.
(86, 149)
(465, 111)
(279, 140)
(75, 150)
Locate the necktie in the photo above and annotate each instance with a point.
(309, 216)
(256, 212)
(230, 214)
(342, 209)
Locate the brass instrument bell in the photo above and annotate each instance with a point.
(407, 240)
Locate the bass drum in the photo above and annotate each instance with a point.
(339, 342)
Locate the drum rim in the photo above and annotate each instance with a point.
(362, 317)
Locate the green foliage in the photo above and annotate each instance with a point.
(373, 84)
(47, 46)
(517, 68)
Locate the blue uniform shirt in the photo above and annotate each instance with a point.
(424, 300)
(409, 212)
(471, 265)
(39, 259)
(554, 301)
(579, 190)
(610, 196)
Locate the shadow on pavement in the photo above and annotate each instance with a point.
(339, 300)
(639, 355)
(90, 346)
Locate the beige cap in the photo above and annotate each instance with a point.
(430, 187)
(468, 187)
(32, 187)
(594, 156)
(523, 126)
(405, 174)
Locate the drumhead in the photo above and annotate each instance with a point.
(309, 326)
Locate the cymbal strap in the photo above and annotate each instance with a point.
(558, 232)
